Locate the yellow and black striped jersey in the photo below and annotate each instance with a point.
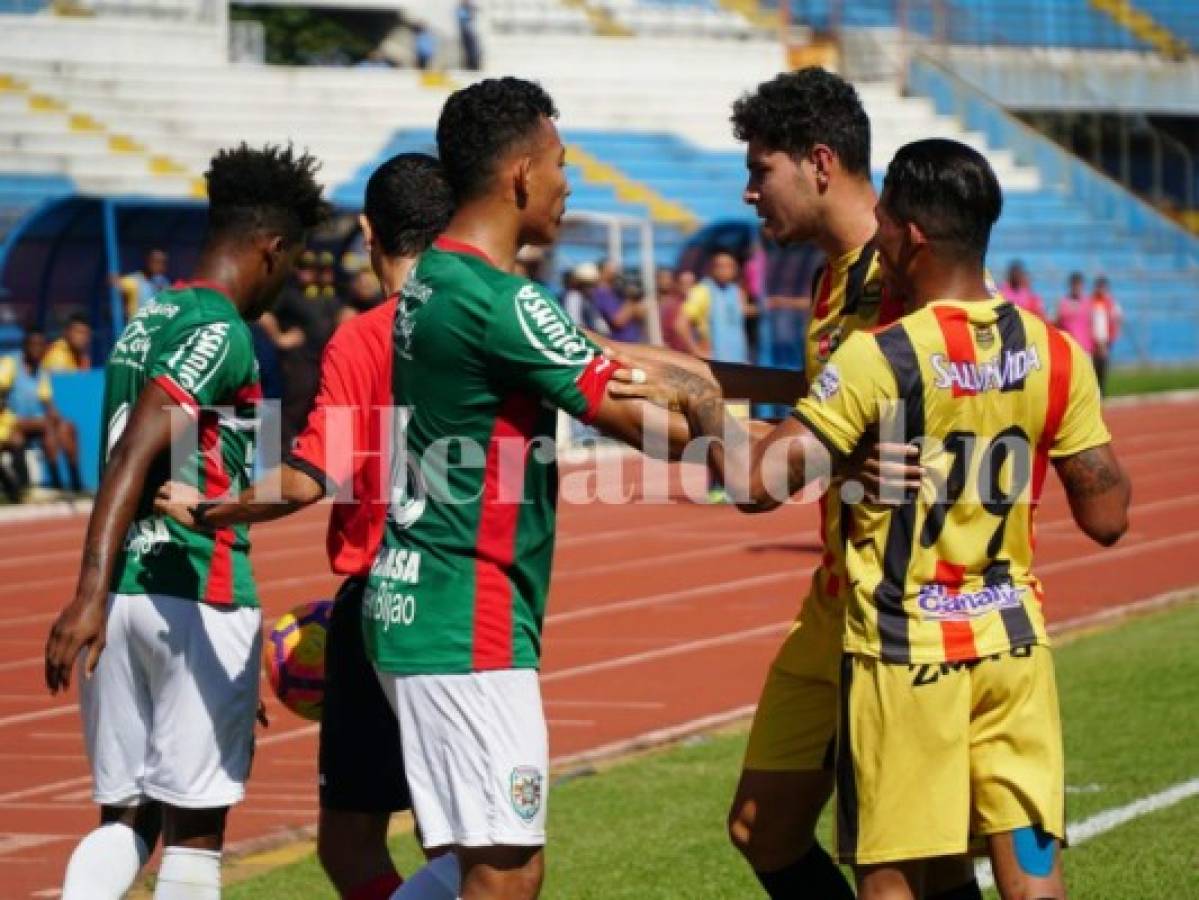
(991, 393)
(847, 296)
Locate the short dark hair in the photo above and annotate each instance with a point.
(78, 318)
(946, 188)
(1077, 276)
(273, 189)
(408, 203)
(795, 111)
(480, 123)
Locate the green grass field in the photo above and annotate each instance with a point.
(652, 828)
(1126, 382)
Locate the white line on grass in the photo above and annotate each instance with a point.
(1110, 819)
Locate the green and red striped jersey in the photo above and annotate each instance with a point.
(192, 343)
(482, 362)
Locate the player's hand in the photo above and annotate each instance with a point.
(629, 383)
(889, 473)
(81, 625)
(261, 715)
(176, 500)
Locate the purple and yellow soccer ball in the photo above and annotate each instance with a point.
(294, 658)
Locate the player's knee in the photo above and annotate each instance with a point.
(199, 829)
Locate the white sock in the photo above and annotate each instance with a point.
(439, 879)
(105, 864)
(187, 874)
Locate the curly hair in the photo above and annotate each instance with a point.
(948, 189)
(273, 189)
(480, 123)
(408, 203)
(795, 111)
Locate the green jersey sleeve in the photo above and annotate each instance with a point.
(533, 346)
(205, 364)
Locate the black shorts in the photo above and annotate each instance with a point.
(361, 763)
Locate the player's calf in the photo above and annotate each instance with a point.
(1027, 863)
(501, 872)
(352, 849)
(105, 863)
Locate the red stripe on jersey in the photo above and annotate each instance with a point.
(955, 331)
(956, 637)
(593, 381)
(503, 490)
(178, 393)
(1061, 365)
(452, 246)
(826, 292)
(248, 393)
(216, 484)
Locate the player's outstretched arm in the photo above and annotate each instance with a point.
(81, 623)
(280, 493)
(1099, 492)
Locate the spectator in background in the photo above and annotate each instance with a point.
(1107, 318)
(72, 351)
(365, 294)
(670, 308)
(1075, 315)
(140, 287)
(31, 398)
(714, 313)
(1018, 291)
(469, 35)
(14, 473)
(579, 297)
(308, 306)
(712, 324)
(623, 317)
(424, 43)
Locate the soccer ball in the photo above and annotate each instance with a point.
(293, 658)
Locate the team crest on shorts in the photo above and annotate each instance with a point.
(526, 792)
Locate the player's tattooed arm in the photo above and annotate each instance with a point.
(1099, 492)
(81, 623)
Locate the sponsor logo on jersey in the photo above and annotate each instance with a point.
(200, 358)
(936, 601)
(1005, 371)
(827, 383)
(549, 331)
(526, 783)
(398, 565)
(133, 346)
(828, 342)
(146, 537)
(413, 295)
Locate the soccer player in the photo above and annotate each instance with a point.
(456, 598)
(949, 718)
(340, 453)
(808, 154)
(165, 622)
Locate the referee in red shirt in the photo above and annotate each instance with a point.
(341, 453)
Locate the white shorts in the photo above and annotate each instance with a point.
(476, 753)
(169, 712)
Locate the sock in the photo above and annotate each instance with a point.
(968, 891)
(188, 874)
(381, 887)
(440, 879)
(105, 864)
(814, 876)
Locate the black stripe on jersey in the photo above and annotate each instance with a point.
(1012, 339)
(847, 784)
(855, 278)
(1016, 622)
(897, 347)
(814, 291)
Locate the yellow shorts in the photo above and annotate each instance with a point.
(930, 755)
(796, 720)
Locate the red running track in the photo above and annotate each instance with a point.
(660, 615)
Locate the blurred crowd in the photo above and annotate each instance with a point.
(1093, 318)
(719, 308)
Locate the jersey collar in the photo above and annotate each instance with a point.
(449, 245)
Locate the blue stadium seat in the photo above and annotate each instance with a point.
(20, 193)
